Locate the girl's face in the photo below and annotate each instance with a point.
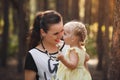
(54, 34)
(67, 36)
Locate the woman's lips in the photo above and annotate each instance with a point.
(57, 40)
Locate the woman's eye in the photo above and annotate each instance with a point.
(62, 30)
(56, 33)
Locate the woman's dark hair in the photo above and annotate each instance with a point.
(43, 20)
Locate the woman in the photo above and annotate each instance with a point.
(44, 44)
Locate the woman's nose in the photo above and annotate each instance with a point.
(60, 35)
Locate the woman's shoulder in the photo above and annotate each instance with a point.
(29, 63)
(35, 50)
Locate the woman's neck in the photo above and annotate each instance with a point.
(49, 47)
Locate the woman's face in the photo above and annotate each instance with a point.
(54, 34)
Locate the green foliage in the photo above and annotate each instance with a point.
(91, 41)
(13, 45)
(91, 47)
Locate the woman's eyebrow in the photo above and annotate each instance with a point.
(58, 32)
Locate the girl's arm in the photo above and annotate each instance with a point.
(86, 59)
(73, 60)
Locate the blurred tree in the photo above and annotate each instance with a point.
(1, 13)
(88, 15)
(88, 7)
(62, 8)
(23, 29)
(15, 21)
(94, 11)
(101, 21)
(5, 35)
(111, 11)
(21, 19)
(46, 4)
(114, 67)
(14, 4)
(39, 5)
(1, 26)
(74, 10)
(106, 41)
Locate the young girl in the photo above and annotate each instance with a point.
(72, 66)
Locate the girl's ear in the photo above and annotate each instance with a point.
(74, 38)
(42, 32)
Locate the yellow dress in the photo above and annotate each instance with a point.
(80, 73)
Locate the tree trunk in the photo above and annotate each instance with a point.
(23, 28)
(5, 35)
(88, 7)
(39, 5)
(75, 10)
(15, 21)
(87, 18)
(100, 46)
(94, 11)
(106, 40)
(46, 4)
(114, 68)
(62, 8)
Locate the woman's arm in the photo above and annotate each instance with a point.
(30, 68)
(30, 75)
(73, 60)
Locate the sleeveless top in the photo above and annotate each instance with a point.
(79, 73)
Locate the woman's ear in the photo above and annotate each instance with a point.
(42, 32)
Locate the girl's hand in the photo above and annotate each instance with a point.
(60, 56)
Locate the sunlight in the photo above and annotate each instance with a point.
(82, 8)
(1, 25)
(110, 32)
(93, 61)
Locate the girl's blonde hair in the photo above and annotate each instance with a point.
(78, 29)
